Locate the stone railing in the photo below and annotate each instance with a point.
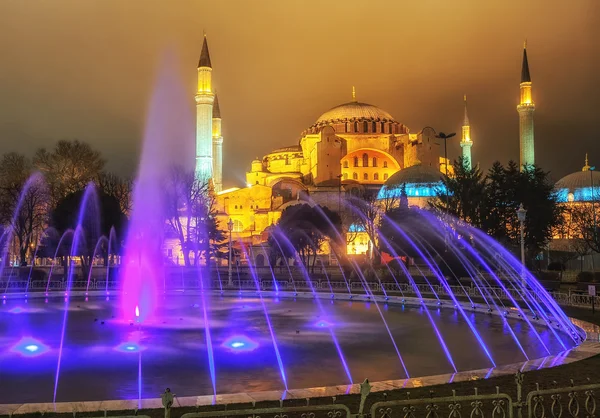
(428, 290)
(576, 401)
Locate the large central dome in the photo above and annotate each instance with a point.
(355, 110)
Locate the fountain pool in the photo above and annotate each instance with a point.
(107, 357)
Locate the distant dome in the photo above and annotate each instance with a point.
(420, 181)
(355, 110)
(577, 187)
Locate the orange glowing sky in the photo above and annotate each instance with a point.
(85, 69)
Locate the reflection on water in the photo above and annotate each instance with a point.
(102, 353)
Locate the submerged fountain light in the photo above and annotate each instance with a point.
(16, 310)
(129, 347)
(239, 343)
(29, 347)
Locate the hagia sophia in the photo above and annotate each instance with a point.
(352, 148)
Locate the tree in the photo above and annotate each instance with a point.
(191, 215)
(206, 239)
(307, 228)
(23, 202)
(367, 213)
(507, 188)
(101, 213)
(117, 187)
(462, 195)
(69, 167)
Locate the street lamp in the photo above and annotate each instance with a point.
(445, 137)
(521, 214)
(340, 194)
(230, 228)
(591, 170)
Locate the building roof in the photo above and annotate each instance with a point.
(204, 55)
(418, 180)
(581, 186)
(354, 110)
(525, 76)
(417, 174)
(291, 148)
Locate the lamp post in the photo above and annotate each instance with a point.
(521, 214)
(591, 170)
(445, 137)
(340, 194)
(230, 228)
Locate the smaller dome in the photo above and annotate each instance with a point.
(581, 186)
(419, 180)
(419, 174)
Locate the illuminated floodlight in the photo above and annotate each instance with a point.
(29, 347)
(323, 324)
(239, 343)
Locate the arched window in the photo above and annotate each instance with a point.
(376, 176)
(345, 176)
(385, 176)
(236, 206)
(355, 176)
(345, 164)
(237, 226)
(390, 128)
(355, 126)
(374, 161)
(382, 127)
(346, 127)
(365, 176)
(365, 127)
(374, 127)
(355, 161)
(385, 164)
(365, 160)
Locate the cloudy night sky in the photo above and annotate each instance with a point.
(87, 69)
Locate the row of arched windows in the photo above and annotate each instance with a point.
(366, 176)
(365, 162)
(373, 127)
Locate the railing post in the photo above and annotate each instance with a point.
(519, 404)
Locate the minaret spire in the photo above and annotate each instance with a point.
(465, 142)
(204, 55)
(525, 76)
(353, 94)
(526, 108)
(217, 146)
(204, 116)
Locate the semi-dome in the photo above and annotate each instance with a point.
(419, 181)
(581, 186)
(355, 111)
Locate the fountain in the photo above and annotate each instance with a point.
(90, 338)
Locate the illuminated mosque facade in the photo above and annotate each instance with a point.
(350, 149)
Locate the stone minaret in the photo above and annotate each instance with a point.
(465, 141)
(526, 109)
(204, 116)
(217, 144)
